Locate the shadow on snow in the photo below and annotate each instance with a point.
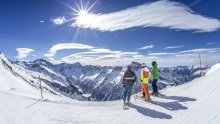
(172, 106)
(180, 98)
(150, 112)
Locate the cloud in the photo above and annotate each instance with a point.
(201, 50)
(174, 47)
(91, 55)
(195, 2)
(163, 14)
(146, 47)
(192, 51)
(210, 43)
(23, 53)
(42, 21)
(59, 20)
(106, 57)
(64, 46)
(97, 55)
(187, 59)
(159, 54)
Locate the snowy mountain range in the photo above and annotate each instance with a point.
(90, 82)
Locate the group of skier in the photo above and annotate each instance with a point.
(130, 78)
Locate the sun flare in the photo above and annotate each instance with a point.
(86, 19)
(83, 15)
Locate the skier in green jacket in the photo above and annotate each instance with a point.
(155, 75)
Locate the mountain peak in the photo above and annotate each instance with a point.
(77, 64)
(137, 64)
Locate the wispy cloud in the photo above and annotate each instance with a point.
(23, 53)
(188, 57)
(91, 55)
(42, 21)
(174, 47)
(99, 56)
(159, 54)
(95, 56)
(164, 13)
(146, 47)
(64, 46)
(210, 43)
(201, 50)
(59, 20)
(192, 51)
(195, 2)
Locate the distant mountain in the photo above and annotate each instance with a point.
(16, 74)
(103, 83)
(90, 82)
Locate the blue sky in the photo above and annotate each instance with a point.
(111, 32)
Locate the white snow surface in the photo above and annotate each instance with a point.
(214, 68)
(194, 102)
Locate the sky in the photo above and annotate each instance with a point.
(111, 32)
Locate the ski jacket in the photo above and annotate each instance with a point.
(129, 78)
(155, 72)
(145, 75)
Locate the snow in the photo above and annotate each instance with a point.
(18, 82)
(213, 69)
(194, 102)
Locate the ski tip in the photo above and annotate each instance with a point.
(125, 108)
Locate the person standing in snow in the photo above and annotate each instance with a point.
(155, 75)
(145, 75)
(129, 79)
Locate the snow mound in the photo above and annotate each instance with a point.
(213, 69)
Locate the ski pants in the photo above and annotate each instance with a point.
(145, 90)
(127, 93)
(154, 86)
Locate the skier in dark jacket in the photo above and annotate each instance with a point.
(155, 75)
(129, 79)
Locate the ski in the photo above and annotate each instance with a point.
(125, 107)
(161, 95)
(152, 102)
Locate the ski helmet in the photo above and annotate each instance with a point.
(129, 67)
(143, 65)
(154, 63)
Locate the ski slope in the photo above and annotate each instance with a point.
(194, 102)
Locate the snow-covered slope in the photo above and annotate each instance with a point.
(16, 80)
(214, 68)
(196, 102)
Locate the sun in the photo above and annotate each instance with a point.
(82, 15)
(85, 19)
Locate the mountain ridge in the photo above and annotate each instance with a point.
(100, 83)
